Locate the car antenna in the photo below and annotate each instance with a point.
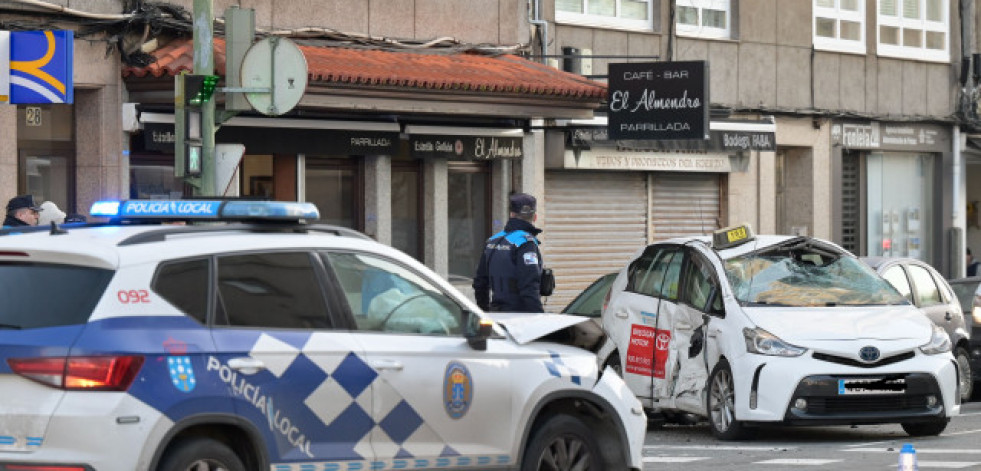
(55, 230)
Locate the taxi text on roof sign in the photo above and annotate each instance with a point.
(36, 67)
(732, 236)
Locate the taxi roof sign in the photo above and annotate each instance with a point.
(732, 236)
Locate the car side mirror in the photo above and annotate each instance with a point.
(477, 331)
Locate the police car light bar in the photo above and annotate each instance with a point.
(205, 210)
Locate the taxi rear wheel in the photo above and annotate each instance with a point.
(563, 443)
(201, 454)
(720, 403)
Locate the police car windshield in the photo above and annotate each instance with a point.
(37, 295)
(802, 274)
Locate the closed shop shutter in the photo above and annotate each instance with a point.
(850, 203)
(595, 222)
(686, 204)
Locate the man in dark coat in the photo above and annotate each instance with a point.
(509, 274)
(22, 211)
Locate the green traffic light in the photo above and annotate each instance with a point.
(208, 85)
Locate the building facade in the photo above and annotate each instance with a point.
(851, 111)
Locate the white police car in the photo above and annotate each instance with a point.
(271, 344)
(747, 330)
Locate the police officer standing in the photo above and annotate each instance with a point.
(509, 274)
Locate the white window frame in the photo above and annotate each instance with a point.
(922, 24)
(585, 19)
(705, 32)
(837, 44)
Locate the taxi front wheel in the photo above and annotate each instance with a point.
(201, 454)
(925, 429)
(720, 403)
(563, 443)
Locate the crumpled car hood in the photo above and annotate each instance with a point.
(798, 324)
(525, 327)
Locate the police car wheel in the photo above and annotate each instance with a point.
(563, 443)
(720, 403)
(923, 429)
(201, 454)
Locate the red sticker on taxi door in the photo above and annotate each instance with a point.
(662, 340)
(640, 351)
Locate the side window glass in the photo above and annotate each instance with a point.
(387, 297)
(672, 274)
(699, 284)
(926, 288)
(276, 290)
(640, 269)
(185, 285)
(896, 278)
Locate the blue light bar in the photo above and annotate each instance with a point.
(269, 210)
(214, 210)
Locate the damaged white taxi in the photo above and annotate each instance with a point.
(746, 330)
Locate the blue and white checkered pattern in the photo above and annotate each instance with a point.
(556, 367)
(346, 395)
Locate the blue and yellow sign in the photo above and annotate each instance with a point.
(457, 389)
(38, 67)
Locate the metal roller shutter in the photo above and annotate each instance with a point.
(686, 204)
(594, 222)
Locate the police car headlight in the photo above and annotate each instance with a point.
(939, 342)
(764, 343)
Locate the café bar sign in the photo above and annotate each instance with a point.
(426, 146)
(658, 100)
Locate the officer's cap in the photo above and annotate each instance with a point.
(522, 203)
(22, 201)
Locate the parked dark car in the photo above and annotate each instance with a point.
(590, 301)
(968, 291)
(923, 286)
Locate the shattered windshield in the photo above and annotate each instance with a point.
(806, 273)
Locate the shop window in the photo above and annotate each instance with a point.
(335, 185)
(46, 153)
(621, 14)
(839, 25)
(914, 29)
(406, 201)
(468, 210)
(152, 177)
(900, 200)
(711, 19)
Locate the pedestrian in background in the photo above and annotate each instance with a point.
(510, 269)
(21, 211)
(972, 264)
(50, 213)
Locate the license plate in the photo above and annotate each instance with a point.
(872, 386)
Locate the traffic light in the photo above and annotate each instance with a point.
(198, 89)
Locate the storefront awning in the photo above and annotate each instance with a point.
(464, 143)
(725, 136)
(377, 79)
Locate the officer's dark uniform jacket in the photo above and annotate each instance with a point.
(511, 269)
(11, 221)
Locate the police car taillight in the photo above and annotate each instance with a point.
(98, 373)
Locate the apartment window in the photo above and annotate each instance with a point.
(621, 14)
(704, 18)
(914, 29)
(839, 25)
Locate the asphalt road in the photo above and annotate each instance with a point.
(868, 447)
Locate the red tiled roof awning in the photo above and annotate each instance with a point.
(456, 72)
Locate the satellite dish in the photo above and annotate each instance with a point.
(277, 65)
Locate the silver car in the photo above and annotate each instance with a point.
(923, 286)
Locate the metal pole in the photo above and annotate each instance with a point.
(204, 64)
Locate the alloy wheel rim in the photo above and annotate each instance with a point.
(565, 453)
(964, 374)
(721, 398)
